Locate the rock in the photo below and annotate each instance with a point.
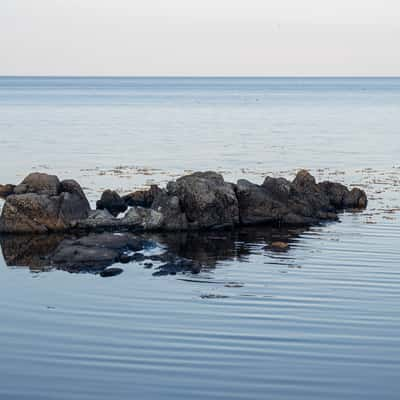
(32, 213)
(6, 190)
(279, 245)
(113, 241)
(355, 199)
(40, 183)
(41, 203)
(110, 200)
(73, 256)
(125, 258)
(180, 265)
(96, 251)
(206, 199)
(111, 272)
(74, 204)
(142, 198)
(280, 202)
(143, 218)
(256, 206)
(174, 219)
(200, 201)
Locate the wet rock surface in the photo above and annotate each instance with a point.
(199, 201)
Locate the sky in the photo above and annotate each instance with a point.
(200, 37)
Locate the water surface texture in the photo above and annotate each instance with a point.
(320, 320)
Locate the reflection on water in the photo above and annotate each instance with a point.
(39, 252)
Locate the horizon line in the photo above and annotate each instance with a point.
(206, 76)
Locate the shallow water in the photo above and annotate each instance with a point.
(320, 320)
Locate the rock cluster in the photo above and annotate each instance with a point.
(200, 201)
(41, 203)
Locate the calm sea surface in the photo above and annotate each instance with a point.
(318, 321)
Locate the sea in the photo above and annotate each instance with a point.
(320, 320)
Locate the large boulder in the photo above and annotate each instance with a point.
(47, 205)
(39, 183)
(110, 200)
(31, 212)
(206, 199)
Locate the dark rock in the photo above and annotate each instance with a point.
(206, 199)
(6, 190)
(138, 257)
(110, 200)
(280, 202)
(174, 219)
(40, 183)
(32, 213)
(74, 256)
(148, 265)
(142, 198)
(97, 250)
(179, 265)
(75, 205)
(125, 258)
(111, 272)
(42, 204)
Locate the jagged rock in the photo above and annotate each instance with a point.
(142, 198)
(110, 200)
(6, 190)
(206, 199)
(278, 201)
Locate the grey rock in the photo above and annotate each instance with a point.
(206, 199)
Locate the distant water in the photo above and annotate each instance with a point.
(319, 321)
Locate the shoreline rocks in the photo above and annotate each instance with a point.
(42, 203)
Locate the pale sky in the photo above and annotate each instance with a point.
(200, 37)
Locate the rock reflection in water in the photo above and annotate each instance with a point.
(176, 252)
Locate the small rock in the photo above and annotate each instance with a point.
(111, 201)
(111, 272)
(280, 245)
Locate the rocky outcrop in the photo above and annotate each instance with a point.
(41, 203)
(301, 202)
(112, 202)
(200, 201)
